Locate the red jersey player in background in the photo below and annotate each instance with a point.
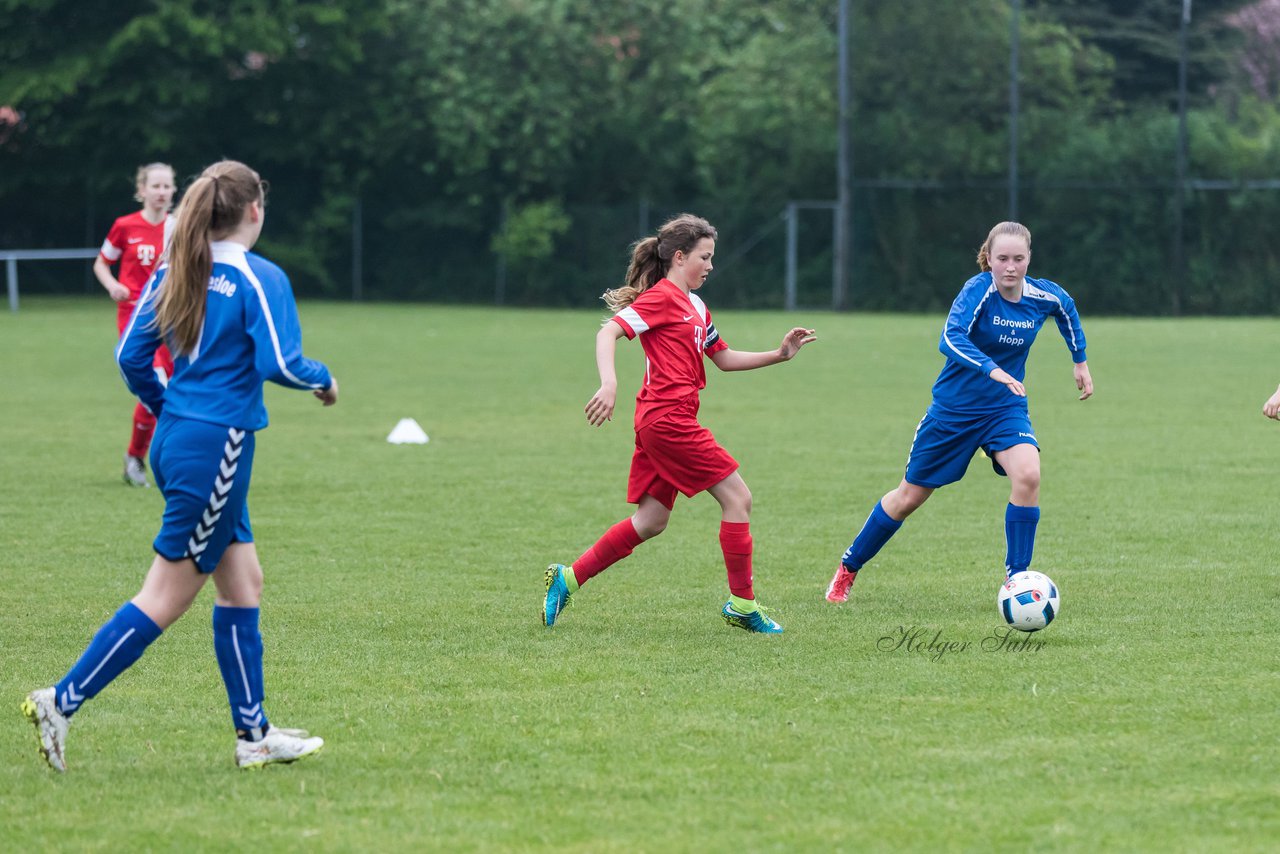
(673, 452)
(136, 242)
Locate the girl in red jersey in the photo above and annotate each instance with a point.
(136, 242)
(673, 453)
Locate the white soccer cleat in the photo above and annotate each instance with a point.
(278, 745)
(41, 708)
(135, 471)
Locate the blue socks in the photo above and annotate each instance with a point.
(238, 646)
(1020, 534)
(122, 640)
(1019, 530)
(119, 643)
(876, 531)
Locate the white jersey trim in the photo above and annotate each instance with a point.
(972, 320)
(234, 254)
(128, 329)
(699, 306)
(110, 251)
(1031, 291)
(633, 319)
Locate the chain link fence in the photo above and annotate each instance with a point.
(1111, 246)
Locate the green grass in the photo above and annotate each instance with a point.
(403, 587)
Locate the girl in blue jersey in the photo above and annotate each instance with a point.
(229, 318)
(979, 401)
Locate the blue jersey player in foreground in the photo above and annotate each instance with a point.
(979, 401)
(229, 318)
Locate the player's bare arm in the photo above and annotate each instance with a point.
(114, 289)
(737, 360)
(599, 408)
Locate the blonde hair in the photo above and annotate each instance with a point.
(212, 207)
(651, 257)
(140, 180)
(1015, 229)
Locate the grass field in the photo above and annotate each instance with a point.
(404, 584)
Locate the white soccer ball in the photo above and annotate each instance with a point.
(1029, 601)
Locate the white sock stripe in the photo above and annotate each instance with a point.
(235, 643)
(106, 658)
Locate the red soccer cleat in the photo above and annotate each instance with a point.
(838, 589)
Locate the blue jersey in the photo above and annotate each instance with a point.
(985, 331)
(250, 335)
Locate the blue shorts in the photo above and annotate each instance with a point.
(941, 450)
(203, 471)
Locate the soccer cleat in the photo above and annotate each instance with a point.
(278, 745)
(838, 589)
(41, 708)
(557, 594)
(756, 621)
(135, 471)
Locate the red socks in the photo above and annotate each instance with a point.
(735, 542)
(144, 424)
(620, 540)
(617, 542)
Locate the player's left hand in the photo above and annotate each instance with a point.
(1084, 382)
(328, 396)
(794, 340)
(1271, 408)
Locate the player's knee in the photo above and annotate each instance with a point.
(648, 523)
(649, 528)
(243, 590)
(905, 500)
(1026, 480)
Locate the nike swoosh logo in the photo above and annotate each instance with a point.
(135, 239)
(686, 317)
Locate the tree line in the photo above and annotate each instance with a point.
(511, 149)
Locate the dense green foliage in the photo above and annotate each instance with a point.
(442, 128)
(403, 585)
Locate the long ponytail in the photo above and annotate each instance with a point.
(651, 257)
(212, 207)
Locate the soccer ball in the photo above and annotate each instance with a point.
(1029, 601)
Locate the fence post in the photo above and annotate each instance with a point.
(1180, 166)
(11, 273)
(357, 251)
(793, 235)
(500, 283)
(1014, 108)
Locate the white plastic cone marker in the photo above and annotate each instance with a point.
(407, 432)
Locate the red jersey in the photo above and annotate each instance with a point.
(675, 331)
(136, 244)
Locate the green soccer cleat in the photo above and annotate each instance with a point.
(557, 594)
(756, 621)
(41, 709)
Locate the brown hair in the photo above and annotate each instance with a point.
(140, 179)
(1015, 229)
(651, 257)
(212, 207)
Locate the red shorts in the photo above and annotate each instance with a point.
(676, 453)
